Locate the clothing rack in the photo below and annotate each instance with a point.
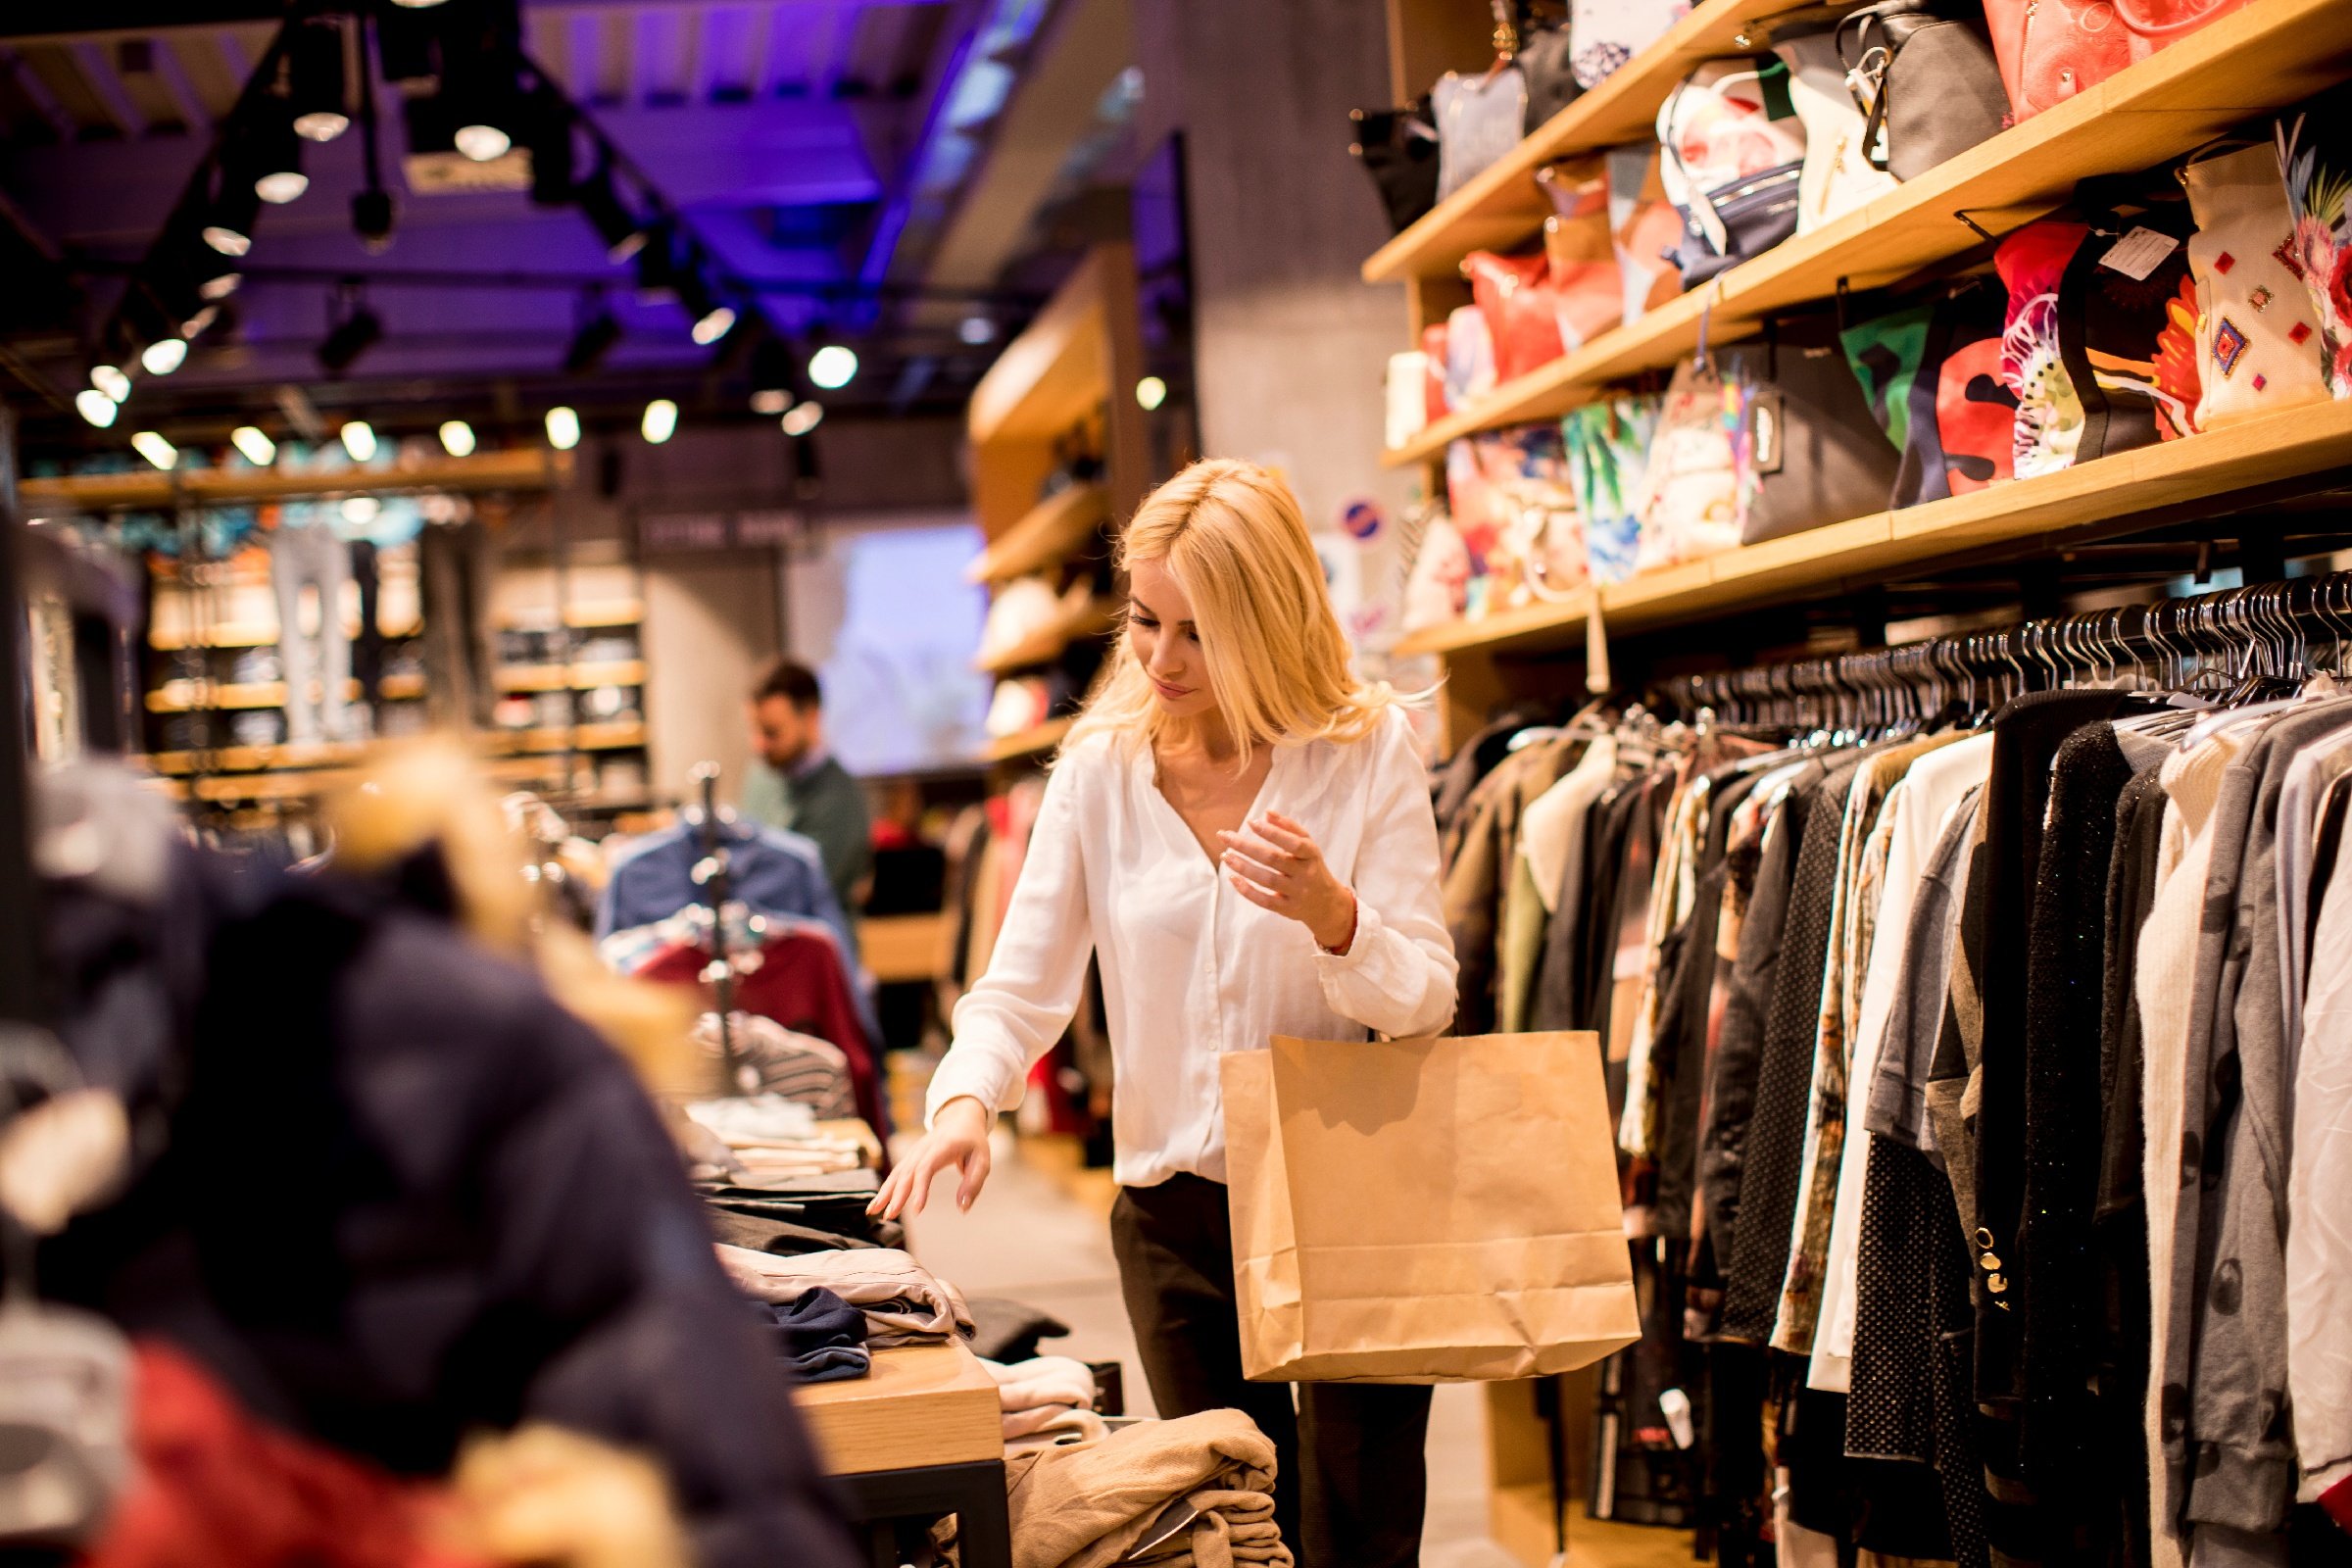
(2222, 640)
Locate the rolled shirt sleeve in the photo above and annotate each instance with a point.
(1397, 976)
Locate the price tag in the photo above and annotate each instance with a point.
(2139, 253)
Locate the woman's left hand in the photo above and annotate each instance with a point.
(1275, 864)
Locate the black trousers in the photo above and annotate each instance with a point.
(1353, 1479)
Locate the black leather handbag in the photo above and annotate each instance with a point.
(1398, 149)
(1552, 85)
(1924, 74)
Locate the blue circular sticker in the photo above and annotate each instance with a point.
(1362, 520)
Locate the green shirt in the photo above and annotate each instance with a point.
(826, 805)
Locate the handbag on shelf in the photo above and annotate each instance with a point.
(1480, 118)
(2127, 314)
(1545, 62)
(1693, 498)
(1732, 156)
(2315, 151)
(1836, 176)
(2050, 50)
(2257, 338)
(1931, 374)
(1469, 358)
(1398, 149)
(1608, 451)
(1811, 454)
(2048, 426)
(1436, 404)
(1607, 34)
(1580, 254)
(1509, 496)
(1514, 295)
(1438, 588)
(1644, 228)
(1923, 74)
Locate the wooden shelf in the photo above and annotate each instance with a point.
(2263, 57)
(1029, 742)
(257, 758)
(1058, 371)
(1089, 619)
(256, 634)
(1503, 206)
(921, 1404)
(607, 612)
(619, 737)
(153, 490)
(582, 677)
(2109, 495)
(1045, 536)
(228, 695)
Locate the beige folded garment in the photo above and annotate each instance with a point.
(903, 1301)
(1228, 1528)
(1042, 1381)
(1088, 1507)
(1054, 1425)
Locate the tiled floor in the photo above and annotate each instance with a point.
(1040, 1234)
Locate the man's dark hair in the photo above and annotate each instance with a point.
(789, 679)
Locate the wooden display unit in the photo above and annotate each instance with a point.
(1074, 370)
(2265, 55)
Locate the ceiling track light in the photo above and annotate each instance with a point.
(802, 418)
(457, 438)
(110, 380)
(774, 387)
(622, 235)
(95, 406)
(272, 153)
(235, 213)
(833, 367)
(713, 318)
(660, 420)
(359, 440)
(315, 90)
(156, 449)
(256, 446)
(165, 354)
(563, 428)
(591, 341)
(356, 331)
(657, 267)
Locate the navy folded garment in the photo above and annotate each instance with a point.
(820, 1336)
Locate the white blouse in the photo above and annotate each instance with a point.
(1191, 969)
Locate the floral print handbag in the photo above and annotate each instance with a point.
(2258, 345)
(2315, 149)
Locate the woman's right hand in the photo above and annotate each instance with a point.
(957, 1138)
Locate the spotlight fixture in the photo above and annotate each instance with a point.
(832, 367)
(358, 439)
(273, 153)
(803, 418)
(771, 377)
(236, 212)
(314, 80)
(165, 354)
(371, 219)
(976, 330)
(95, 406)
(482, 141)
(660, 420)
(417, 5)
(258, 449)
(457, 438)
(623, 235)
(353, 335)
(1151, 392)
(223, 282)
(112, 381)
(156, 449)
(591, 341)
(713, 318)
(562, 428)
(361, 511)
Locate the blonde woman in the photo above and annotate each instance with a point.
(1241, 833)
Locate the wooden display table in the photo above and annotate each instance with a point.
(921, 1435)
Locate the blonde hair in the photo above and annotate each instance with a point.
(1279, 666)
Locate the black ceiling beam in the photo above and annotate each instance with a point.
(91, 19)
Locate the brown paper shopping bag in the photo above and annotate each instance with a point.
(1425, 1210)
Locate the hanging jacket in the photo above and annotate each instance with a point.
(773, 872)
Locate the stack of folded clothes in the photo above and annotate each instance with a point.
(800, 1214)
(1046, 1401)
(819, 1336)
(770, 1137)
(1167, 1494)
(903, 1303)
